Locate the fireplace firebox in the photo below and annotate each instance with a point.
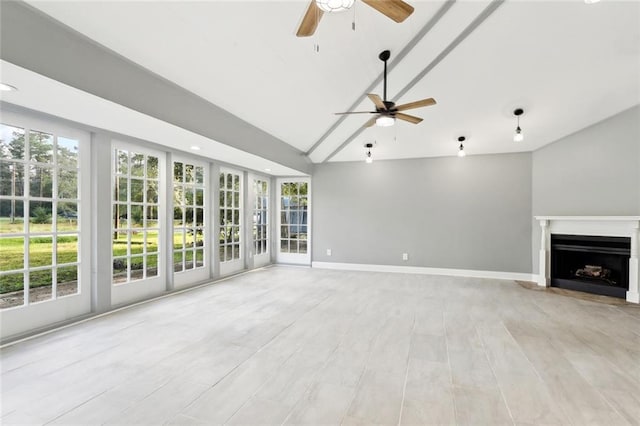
(593, 264)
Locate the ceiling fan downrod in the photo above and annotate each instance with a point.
(384, 57)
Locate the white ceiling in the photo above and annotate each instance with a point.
(568, 64)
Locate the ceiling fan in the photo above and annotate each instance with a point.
(397, 10)
(387, 111)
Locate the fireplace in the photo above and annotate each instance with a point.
(591, 263)
(591, 253)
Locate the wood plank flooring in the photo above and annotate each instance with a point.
(287, 345)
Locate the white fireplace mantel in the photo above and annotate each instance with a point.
(613, 226)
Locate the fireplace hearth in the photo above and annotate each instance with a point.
(589, 263)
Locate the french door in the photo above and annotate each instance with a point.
(261, 235)
(294, 221)
(230, 215)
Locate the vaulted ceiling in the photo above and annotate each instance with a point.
(568, 64)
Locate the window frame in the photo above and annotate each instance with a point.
(235, 263)
(29, 316)
(54, 199)
(189, 276)
(260, 210)
(297, 257)
(147, 286)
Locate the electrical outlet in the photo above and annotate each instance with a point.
(328, 252)
(405, 256)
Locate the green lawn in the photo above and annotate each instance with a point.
(7, 227)
(40, 253)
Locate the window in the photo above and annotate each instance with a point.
(135, 225)
(261, 217)
(39, 207)
(230, 216)
(188, 216)
(293, 217)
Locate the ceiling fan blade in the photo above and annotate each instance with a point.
(416, 104)
(370, 122)
(409, 118)
(394, 9)
(377, 101)
(310, 21)
(355, 112)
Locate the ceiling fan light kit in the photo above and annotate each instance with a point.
(518, 136)
(332, 6)
(385, 121)
(396, 10)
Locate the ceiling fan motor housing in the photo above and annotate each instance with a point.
(390, 107)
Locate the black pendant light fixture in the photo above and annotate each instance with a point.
(461, 152)
(368, 158)
(518, 136)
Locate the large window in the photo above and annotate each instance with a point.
(230, 216)
(261, 217)
(188, 216)
(293, 217)
(39, 207)
(135, 225)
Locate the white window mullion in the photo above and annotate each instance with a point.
(26, 209)
(54, 220)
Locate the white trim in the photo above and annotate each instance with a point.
(633, 297)
(590, 218)
(498, 275)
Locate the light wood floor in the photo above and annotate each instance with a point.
(297, 345)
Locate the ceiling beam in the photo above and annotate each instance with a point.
(486, 12)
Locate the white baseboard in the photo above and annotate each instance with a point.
(426, 271)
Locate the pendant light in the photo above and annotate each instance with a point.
(368, 157)
(518, 136)
(461, 152)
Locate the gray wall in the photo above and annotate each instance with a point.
(593, 172)
(469, 213)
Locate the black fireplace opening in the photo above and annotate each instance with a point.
(592, 264)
